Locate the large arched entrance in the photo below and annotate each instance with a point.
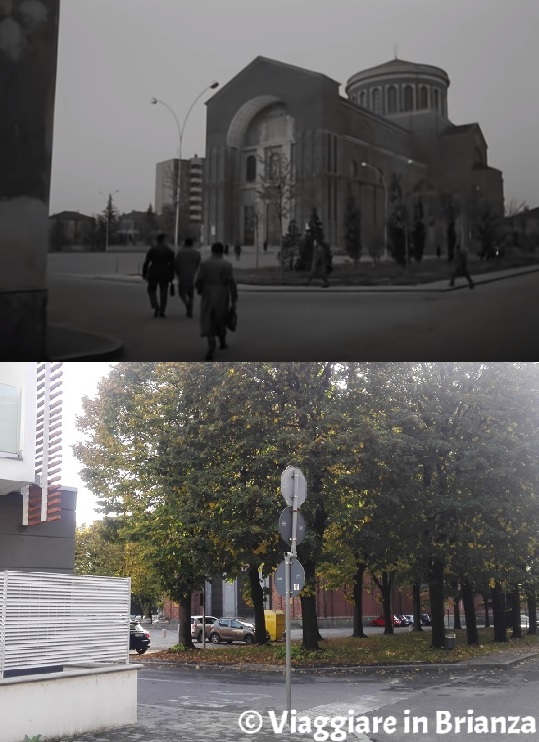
(263, 132)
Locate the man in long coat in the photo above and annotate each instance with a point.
(215, 282)
(187, 263)
(158, 270)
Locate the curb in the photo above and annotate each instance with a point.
(465, 666)
(481, 278)
(105, 347)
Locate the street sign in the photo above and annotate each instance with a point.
(285, 526)
(297, 578)
(290, 475)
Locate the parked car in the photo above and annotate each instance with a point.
(139, 638)
(426, 620)
(233, 630)
(196, 626)
(380, 621)
(405, 620)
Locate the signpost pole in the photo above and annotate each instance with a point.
(294, 514)
(288, 638)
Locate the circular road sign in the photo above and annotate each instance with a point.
(285, 526)
(290, 475)
(297, 578)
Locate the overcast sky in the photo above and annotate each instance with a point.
(79, 380)
(114, 55)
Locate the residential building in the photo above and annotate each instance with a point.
(191, 192)
(394, 119)
(70, 228)
(37, 513)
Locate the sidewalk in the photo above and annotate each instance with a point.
(199, 724)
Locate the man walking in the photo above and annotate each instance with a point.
(217, 287)
(187, 264)
(158, 270)
(319, 268)
(460, 267)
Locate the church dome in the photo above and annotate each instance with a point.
(397, 87)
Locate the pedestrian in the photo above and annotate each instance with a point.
(158, 271)
(460, 267)
(265, 245)
(187, 264)
(216, 285)
(319, 266)
(237, 250)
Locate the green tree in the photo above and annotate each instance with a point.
(419, 232)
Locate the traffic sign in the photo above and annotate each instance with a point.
(290, 476)
(285, 526)
(297, 578)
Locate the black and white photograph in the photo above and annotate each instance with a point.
(354, 180)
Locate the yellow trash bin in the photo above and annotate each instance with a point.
(274, 624)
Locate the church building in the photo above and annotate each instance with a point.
(393, 120)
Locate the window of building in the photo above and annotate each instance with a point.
(10, 416)
(408, 98)
(377, 101)
(249, 224)
(423, 97)
(353, 168)
(436, 99)
(250, 169)
(392, 99)
(363, 99)
(444, 103)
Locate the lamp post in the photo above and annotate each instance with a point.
(181, 130)
(108, 217)
(384, 183)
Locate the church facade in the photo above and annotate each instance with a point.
(393, 121)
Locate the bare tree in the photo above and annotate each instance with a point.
(512, 207)
(276, 189)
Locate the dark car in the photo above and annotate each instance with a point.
(426, 620)
(139, 638)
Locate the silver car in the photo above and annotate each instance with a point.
(196, 626)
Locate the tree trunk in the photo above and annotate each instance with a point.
(358, 602)
(385, 589)
(487, 612)
(514, 602)
(456, 612)
(531, 597)
(416, 597)
(257, 597)
(184, 625)
(308, 609)
(469, 612)
(436, 594)
(498, 613)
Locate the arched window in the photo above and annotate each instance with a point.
(444, 103)
(376, 101)
(423, 97)
(408, 98)
(363, 99)
(436, 99)
(250, 169)
(392, 99)
(353, 168)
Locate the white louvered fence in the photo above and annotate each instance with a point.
(49, 619)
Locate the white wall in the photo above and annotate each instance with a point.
(15, 472)
(69, 703)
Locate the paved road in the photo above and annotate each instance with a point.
(205, 705)
(495, 322)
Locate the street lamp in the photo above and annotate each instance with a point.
(181, 130)
(384, 183)
(108, 217)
